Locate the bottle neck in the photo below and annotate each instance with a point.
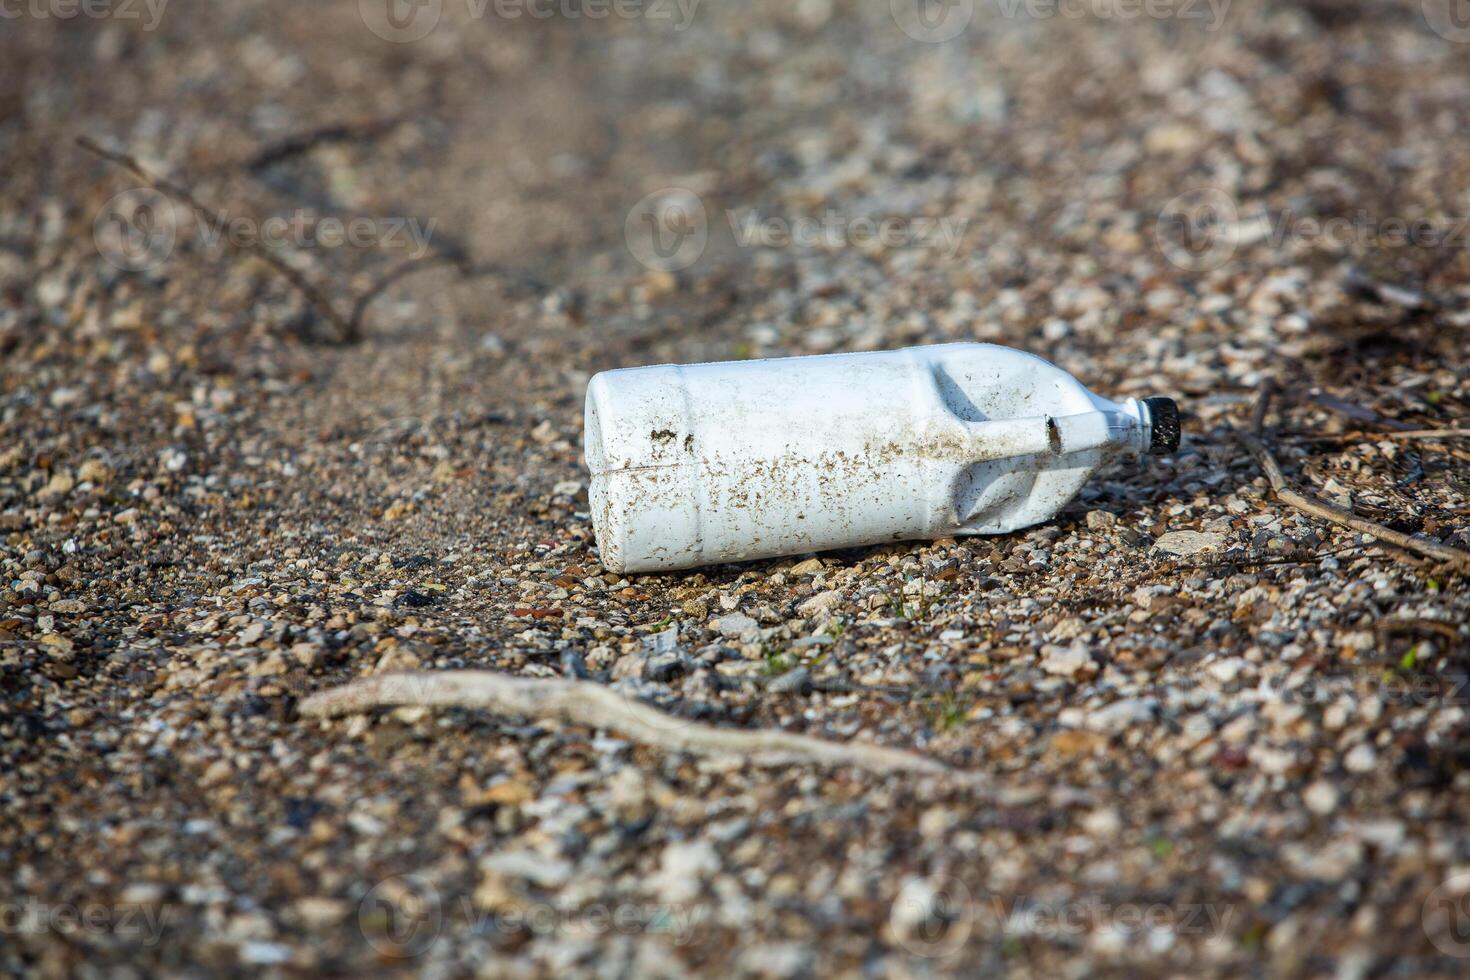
(1140, 424)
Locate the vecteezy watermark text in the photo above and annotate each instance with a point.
(131, 920)
(833, 229)
(1211, 13)
(936, 916)
(1387, 686)
(404, 915)
(149, 11)
(1369, 229)
(1202, 229)
(669, 229)
(406, 21)
(139, 229)
(1052, 919)
(936, 21)
(303, 231)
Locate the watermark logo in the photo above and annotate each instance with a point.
(401, 916)
(667, 230)
(150, 12)
(932, 917)
(136, 230)
(1446, 916)
(1450, 19)
(932, 21)
(1196, 230)
(401, 21)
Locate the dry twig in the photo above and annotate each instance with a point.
(1357, 434)
(1405, 624)
(1331, 512)
(347, 330)
(1356, 412)
(342, 132)
(591, 704)
(408, 268)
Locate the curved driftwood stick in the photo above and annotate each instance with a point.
(1331, 512)
(591, 704)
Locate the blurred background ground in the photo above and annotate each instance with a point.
(1219, 736)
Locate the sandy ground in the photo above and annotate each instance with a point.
(1203, 734)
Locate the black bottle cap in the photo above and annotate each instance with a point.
(1164, 416)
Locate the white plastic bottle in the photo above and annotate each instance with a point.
(703, 463)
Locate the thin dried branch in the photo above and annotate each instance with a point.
(1356, 412)
(1364, 286)
(1420, 626)
(510, 278)
(299, 143)
(381, 286)
(346, 330)
(1253, 441)
(1411, 435)
(596, 706)
(1262, 407)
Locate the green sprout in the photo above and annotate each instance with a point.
(1410, 659)
(777, 662)
(947, 712)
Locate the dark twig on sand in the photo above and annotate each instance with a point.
(347, 330)
(1253, 440)
(1356, 412)
(1357, 435)
(299, 143)
(511, 279)
(360, 308)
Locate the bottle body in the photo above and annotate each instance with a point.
(705, 463)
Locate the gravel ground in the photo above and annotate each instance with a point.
(1210, 735)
